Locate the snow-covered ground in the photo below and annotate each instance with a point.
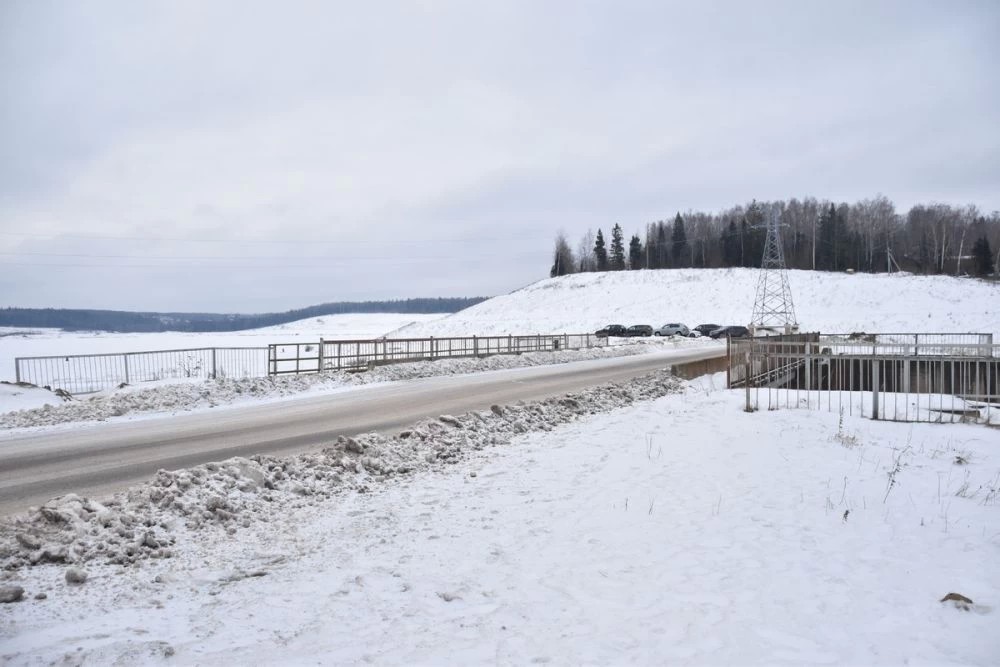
(16, 342)
(826, 302)
(677, 530)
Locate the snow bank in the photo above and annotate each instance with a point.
(148, 520)
(827, 302)
(142, 399)
(15, 396)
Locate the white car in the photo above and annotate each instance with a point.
(673, 330)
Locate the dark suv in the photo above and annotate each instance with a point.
(706, 329)
(639, 330)
(612, 330)
(730, 332)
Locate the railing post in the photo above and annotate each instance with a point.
(125, 356)
(214, 373)
(729, 366)
(17, 370)
(808, 358)
(875, 383)
(746, 378)
(475, 346)
(319, 368)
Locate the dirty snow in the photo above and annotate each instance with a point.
(171, 397)
(646, 533)
(826, 302)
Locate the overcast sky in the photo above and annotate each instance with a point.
(253, 156)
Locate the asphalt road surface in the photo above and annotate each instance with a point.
(98, 459)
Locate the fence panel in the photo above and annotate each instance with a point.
(356, 354)
(932, 379)
(88, 373)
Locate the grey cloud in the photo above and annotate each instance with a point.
(406, 126)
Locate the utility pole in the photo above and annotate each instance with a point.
(773, 308)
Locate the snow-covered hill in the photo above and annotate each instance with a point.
(828, 302)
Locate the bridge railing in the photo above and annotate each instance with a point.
(327, 355)
(89, 373)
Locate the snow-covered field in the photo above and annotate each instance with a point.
(16, 342)
(826, 302)
(673, 530)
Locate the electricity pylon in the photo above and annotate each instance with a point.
(773, 308)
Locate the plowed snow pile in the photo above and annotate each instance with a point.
(825, 302)
(147, 520)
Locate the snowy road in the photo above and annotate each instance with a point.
(100, 459)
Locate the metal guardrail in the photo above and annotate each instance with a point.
(88, 373)
(943, 380)
(935, 344)
(291, 358)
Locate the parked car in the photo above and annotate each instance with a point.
(730, 332)
(639, 330)
(706, 329)
(611, 330)
(673, 330)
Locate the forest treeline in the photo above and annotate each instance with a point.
(133, 322)
(869, 235)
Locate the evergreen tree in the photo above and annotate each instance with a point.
(678, 243)
(601, 252)
(826, 254)
(563, 262)
(662, 246)
(744, 240)
(617, 248)
(982, 257)
(635, 253)
(731, 245)
(836, 243)
(755, 235)
(651, 248)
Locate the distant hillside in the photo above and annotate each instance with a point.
(132, 322)
(831, 302)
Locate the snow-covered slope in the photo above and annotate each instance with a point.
(828, 302)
